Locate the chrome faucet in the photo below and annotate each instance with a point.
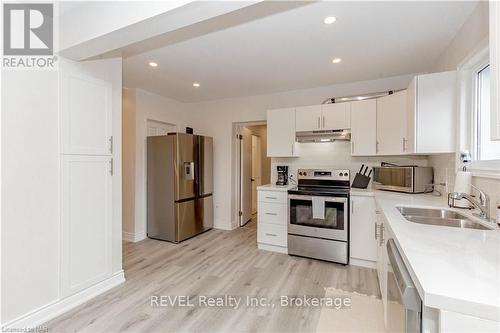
(483, 204)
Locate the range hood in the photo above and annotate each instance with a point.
(324, 136)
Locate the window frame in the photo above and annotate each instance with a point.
(468, 121)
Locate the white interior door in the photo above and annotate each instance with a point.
(256, 170)
(245, 175)
(156, 128)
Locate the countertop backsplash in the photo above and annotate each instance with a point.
(336, 155)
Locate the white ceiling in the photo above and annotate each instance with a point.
(293, 50)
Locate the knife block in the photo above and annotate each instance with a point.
(360, 181)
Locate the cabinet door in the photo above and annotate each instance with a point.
(363, 243)
(281, 133)
(308, 118)
(336, 116)
(86, 221)
(382, 261)
(391, 123)
(411, 117)
(364, 127)
(85, 113)
(435, 112)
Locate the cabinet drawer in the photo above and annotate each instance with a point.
(272, 213)
(272, 196)
(272, 234)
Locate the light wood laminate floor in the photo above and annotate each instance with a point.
(214, 263)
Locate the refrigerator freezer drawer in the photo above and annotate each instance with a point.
(193, 217)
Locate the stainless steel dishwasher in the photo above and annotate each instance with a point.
(407, 296)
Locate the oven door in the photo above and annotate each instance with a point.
(333, 226)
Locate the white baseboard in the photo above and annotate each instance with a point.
(133, 237)
(272, 248)
(223, 227)
(362, 263)
(52, 310)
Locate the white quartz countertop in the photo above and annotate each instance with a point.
(454, 269)
(274, 187)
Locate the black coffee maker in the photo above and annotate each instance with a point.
(282, 175)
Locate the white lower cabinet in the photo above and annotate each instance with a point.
(86, 221)
(382, 259)
(272, 219)
(363, 249)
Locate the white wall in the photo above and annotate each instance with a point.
(141, 106)
(216, 118)
(128, 162)
(30, 192)
(470, 39)
(472, 35)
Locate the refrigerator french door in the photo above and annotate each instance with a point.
(179, 186)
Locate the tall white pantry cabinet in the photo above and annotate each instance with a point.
(88, 166)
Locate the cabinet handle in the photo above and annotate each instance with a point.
(323, 121)
(352, 206)
(271, 214)
(376, 147)
(274, 198)
(319, 122)
(376, 230)
(404, 144)
(111, 144)
(352, 147)
(272, 235)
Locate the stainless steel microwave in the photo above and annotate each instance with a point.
(409, 179)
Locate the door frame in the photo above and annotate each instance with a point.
(236, 170)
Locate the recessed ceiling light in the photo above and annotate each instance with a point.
(336, 60)
(153, 64)
(330, 20)
(196, 84)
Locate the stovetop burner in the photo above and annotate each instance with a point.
(322, 182)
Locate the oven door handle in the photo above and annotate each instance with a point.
(309, 198)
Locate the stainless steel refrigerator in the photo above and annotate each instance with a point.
(180, 186)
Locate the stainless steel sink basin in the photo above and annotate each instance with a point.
(442, 217)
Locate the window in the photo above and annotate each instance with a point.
(484, 149)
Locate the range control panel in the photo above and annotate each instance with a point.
(324, 174)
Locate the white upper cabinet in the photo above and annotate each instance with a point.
(431, 109)
(336, 116)
(281, 133)
(85, 114)
(391, 124)
(308, 118)
(364, 127)
(495, 68)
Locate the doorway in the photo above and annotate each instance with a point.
(254, 168)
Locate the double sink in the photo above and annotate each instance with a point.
(441, 217)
